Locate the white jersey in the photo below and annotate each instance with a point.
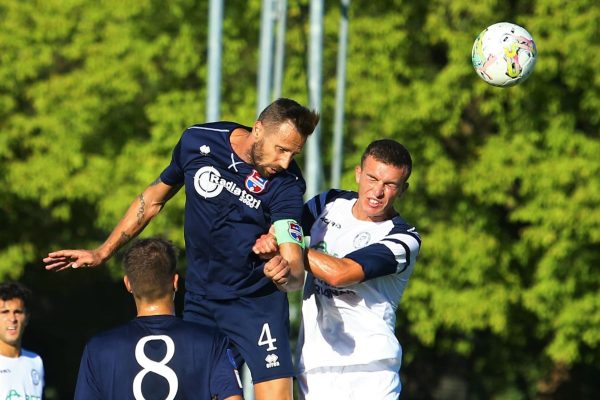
(354, 325)
(21, 377)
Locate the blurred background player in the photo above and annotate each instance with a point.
(21, 371)
(361, 257)
(156, 355)
(238, 181)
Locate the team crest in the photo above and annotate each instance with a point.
(255, 183)
(295, 232)
(361, 240)
(35, 377)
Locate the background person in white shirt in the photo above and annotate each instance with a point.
(21, 371)
(361, 256)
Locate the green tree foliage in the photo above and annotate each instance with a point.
(505, 188)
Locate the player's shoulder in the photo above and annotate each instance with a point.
(335, 194)
(28, 354)
(219, 126)
(400, 225)
(332, 195)
(176, 326)
(109, 337)
(216, 131)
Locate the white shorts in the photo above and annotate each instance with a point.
(355, 382)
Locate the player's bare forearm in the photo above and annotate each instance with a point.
(294, 256)
(335, 271)
(140, 212)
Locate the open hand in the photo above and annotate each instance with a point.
(62, 259)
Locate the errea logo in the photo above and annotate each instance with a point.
(272, 361)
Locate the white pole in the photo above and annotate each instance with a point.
(314, 170)
(265, 63)
(213, 92)
(280, 48)
(340, 91)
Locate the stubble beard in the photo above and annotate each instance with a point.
(256, 156)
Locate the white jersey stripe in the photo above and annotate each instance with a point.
(208, 129)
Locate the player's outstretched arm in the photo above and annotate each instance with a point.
(335, 271)
(145, 207)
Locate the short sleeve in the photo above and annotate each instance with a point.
(173, 175)
(391, 255)
(288, 202)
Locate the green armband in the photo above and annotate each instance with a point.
(288, 231)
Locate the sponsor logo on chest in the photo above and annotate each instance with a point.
(209, 183)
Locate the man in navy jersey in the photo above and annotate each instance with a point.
(238, 182)
(361, 256)
(156, 355)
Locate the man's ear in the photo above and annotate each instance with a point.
(357, 172)
(127, 284)
(257, 129)
(175, 282)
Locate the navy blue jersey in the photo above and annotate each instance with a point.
(157, 357)
(228, 206)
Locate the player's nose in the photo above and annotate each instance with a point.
(284, 161)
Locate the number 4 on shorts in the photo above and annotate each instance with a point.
(266, 338)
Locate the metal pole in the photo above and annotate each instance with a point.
(266, 55)
(213, 92)
(340, 92)
(315, 60)
(280, 48)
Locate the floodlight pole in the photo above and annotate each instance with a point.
(215, 40)
(313, 166)
(265, 67)
(279, 48)
(340, 92)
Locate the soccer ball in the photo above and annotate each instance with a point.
(504, 54)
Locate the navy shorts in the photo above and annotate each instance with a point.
(257, 326)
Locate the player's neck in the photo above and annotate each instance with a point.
(241, 142)
(9, 350)
(157, 307)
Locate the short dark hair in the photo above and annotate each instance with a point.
(389, 151)
(16, 290)
(150, 265)
(282, 110)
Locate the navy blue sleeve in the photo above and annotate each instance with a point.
(391, 255)
(87, 388)
(224, 377)
(376, 260)
(309, 214)
(173, 174)
(287, 203)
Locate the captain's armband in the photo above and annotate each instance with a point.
(288, 231)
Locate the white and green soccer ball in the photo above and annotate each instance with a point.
(504, 54)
